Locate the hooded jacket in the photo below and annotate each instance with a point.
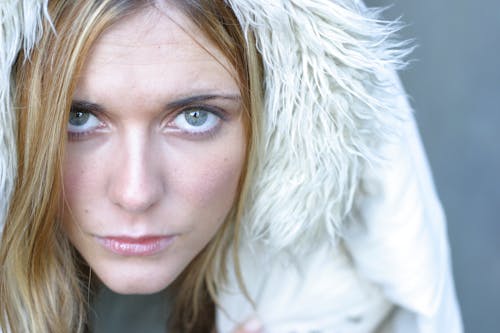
(342, 230)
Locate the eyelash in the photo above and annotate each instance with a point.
(211, 110)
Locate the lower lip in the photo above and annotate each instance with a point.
(146, 246)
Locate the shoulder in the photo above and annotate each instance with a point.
(297, 294)
(400, 241)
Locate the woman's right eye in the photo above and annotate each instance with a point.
(82, 123)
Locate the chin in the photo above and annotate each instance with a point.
(136, 289)
(136, 280)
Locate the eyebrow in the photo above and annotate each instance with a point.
(199, 98)
(86, 106)
(95, 107)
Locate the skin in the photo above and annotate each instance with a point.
(134, 165)
(251, 325)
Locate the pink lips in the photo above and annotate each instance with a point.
(142, 246)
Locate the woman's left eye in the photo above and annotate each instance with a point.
(82, 122)
(197, 121)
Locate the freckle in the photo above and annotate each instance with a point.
(86, 211)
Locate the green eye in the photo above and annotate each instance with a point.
(80, 122)
(197, 121)
(196, 117)
(78, 118)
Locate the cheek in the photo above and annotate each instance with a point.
(81, 177)
(75, 181)
(206, 175)
(211, 183)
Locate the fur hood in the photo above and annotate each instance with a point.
(329, 101)
(20, 27)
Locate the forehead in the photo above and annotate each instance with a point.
(163, 28)
(158, 45)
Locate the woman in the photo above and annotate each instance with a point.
(150, 155)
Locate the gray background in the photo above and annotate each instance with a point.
(454, 84)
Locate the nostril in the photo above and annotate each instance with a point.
(135, 193)
(134, 201)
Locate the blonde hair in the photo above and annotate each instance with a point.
(43, 284)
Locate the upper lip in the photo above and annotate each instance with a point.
(132, 239)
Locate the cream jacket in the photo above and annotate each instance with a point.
(389, 272)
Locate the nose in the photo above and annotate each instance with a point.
(136, 183)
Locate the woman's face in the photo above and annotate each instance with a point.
(155, 150)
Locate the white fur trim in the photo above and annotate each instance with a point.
(329, 100)
(20, 27)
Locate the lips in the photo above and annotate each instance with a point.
(130, 246)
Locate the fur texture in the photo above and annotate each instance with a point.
(20, 27)
(328, 103)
